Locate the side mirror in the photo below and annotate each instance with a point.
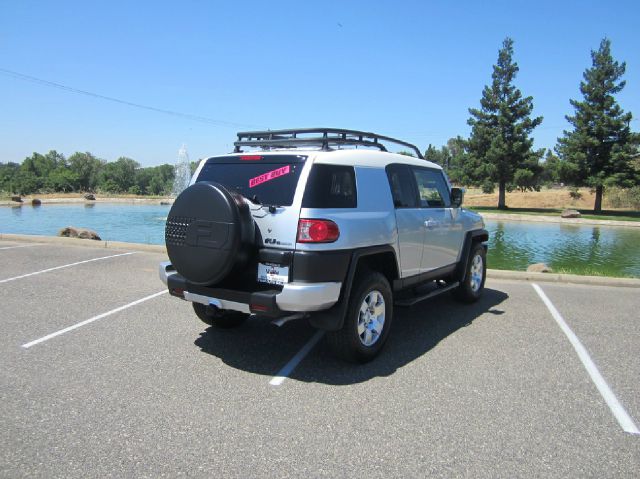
(457, 195)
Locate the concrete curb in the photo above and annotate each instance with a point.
(556, 219)
(491, 273)
(151, 248)
(563, 278)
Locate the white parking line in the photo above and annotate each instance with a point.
(91, 320)
(21, 246)
(63, 266)
(625, 421)
(288, 368)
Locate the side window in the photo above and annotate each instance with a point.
(330, 186)
(432, 189)
(402, 186)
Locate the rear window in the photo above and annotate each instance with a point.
(330, 186)
(269, 180)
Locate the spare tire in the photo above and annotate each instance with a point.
(209, 234)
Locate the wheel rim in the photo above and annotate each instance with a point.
(371, 318)
(477, 272)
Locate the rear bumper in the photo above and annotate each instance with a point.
(294, 296)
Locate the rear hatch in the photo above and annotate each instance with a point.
(269, 183)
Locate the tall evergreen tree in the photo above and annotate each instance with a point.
(599, 150)
(499, 145)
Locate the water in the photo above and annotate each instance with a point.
(514, 245)
(112, 222)
(182, 172)
(599, 250)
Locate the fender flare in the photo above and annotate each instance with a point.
(332, 319)
(471, 237)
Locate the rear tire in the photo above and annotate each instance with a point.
(472, 287)
(222, 319)
(368, 319)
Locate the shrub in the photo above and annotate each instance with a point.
(574, 193)
(488, 187)
(623, 197)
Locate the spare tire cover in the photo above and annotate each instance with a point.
(207, 232)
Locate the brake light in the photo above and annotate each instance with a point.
(317, 231)
(250, 157)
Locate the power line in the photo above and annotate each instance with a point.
(187, 116)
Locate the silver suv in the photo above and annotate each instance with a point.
(308, 224)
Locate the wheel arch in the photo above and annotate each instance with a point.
(377, 258)
(471, 237)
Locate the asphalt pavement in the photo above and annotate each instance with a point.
(103, 375)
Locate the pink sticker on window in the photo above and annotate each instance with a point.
(268, 176)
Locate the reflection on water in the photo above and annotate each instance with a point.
(581, 249)
(512, 245)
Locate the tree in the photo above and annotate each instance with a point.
(599, 149)
(8, 175)
(499, 145)
(119, 175)
(87, 168)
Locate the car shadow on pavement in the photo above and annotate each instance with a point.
(261, 348)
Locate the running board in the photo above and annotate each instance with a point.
(431, 294)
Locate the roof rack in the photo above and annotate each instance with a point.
(322, 137)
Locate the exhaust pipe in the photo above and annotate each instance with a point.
(280, 321)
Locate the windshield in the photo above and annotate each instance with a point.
(267, 180)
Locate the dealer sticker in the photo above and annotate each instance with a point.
(269, 175)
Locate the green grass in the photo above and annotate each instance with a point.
(591, 272)
(587, 214)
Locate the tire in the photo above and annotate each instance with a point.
(359, 340)
(222, 320)
(472, 287)
(209, 233)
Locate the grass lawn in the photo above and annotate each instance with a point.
(588, 214)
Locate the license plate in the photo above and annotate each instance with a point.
(273, 273)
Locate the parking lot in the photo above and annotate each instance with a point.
(104, 375)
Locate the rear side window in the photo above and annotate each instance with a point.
(330, 186)
(402, 186)
(268, 180)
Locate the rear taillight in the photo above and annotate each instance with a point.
(317, 231)
(250, 158)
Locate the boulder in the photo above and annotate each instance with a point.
(570, 214)
(88, 234)
(166, 203)
(36, 202)
(81, 233)
(89, 196)
(16, 198)
(69, 232)
(539, 268)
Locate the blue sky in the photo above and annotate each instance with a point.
(409, 69)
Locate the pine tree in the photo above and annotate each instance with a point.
(500, 146)
(599, 150)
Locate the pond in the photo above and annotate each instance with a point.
(580, 249)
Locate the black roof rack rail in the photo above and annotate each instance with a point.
(327, 136)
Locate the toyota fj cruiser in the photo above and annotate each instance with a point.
(304, 225)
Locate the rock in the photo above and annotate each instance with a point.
(16, 198)
(81, 233)
(36, 202)
(570, 214)
(88, 234)
(69, 232)
(539, 268)
(166, 203)
(89, 196)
